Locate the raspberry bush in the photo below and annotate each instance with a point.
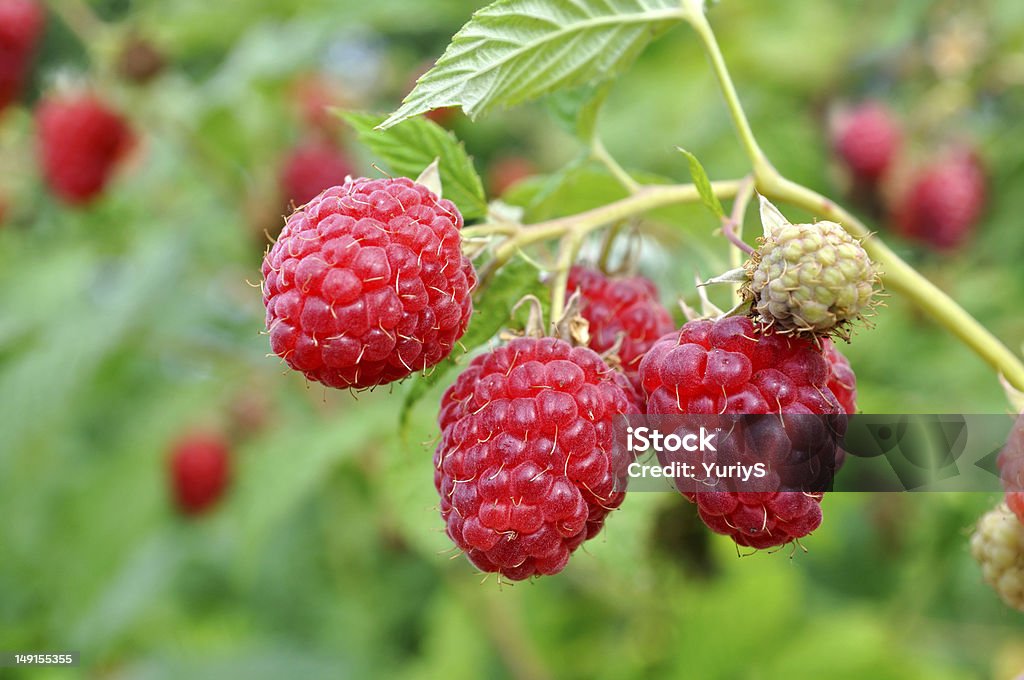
(556, 235)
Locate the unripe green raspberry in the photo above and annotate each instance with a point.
(809, 278)
(998, 546)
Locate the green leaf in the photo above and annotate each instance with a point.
(577, 109)
(515, 50)
(511, 283)
(700, 178)
(409, 148)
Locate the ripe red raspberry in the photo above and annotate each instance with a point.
(310, 168)
(843, 381)
(200, 469)
(524, 467)
(867, 139)
(944, 202)
(81, 141)
(367, 283)
(730, 366)
(21, 23)
(626, 307)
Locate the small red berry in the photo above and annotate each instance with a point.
(310, 168)
(200, 467)
(730, 366)
(867, 139)
(525, 468)
(367, 283)
(81, 141)
(945, 201)
(625, 308)
(21, 24)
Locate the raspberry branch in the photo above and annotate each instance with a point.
(897, 274)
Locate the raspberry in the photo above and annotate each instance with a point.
(867, 139)
(998, 546)
(200, 467)
(81, 141)
(524, 467)
(310, 168)
(21, 23)
(843, 381)
(810, 278)
(367, 283)
(944, 202)
(626, 308)
(729, 366)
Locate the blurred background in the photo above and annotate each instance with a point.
(132, 320)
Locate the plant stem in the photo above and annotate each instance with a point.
(647, 198)
(600, 153)
(900, 277)
(569, 248)
(695, 17)
(732, 227)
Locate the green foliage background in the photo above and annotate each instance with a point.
(125, 324)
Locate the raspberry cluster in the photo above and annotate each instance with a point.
(731, 366)
(938, 204)
(21, 24)
(367, 283)
(622, 312)
(200, 471)
(81, 141)
(525, 469)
